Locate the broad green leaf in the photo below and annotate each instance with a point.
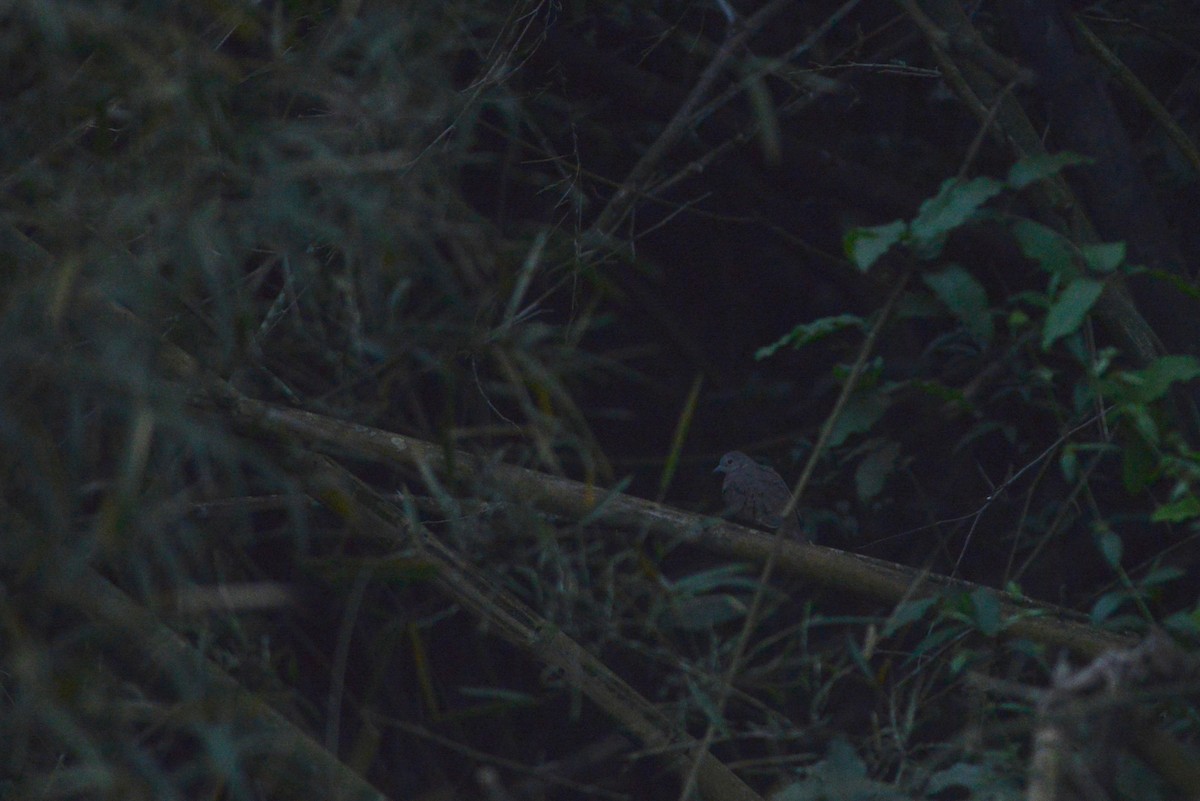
(1160, 575)
(1047, 247)
(966, 299)
(1041, 165)
(859, 414)
(986, 611)
(1177, 511)
(954, 204)
(1105, 257)
(865, 246)
(1152, 382)
(875, 469)
(1107, 604)
(807, 333)
(1111, 547)
(1067, 312)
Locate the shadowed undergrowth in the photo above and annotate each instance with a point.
(504, 233)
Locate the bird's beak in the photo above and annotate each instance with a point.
(719, 469)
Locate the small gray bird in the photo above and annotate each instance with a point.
(757, 494)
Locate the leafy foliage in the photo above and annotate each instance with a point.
(565, 237)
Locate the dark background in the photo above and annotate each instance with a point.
(394, 214)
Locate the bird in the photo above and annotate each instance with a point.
(757, 494)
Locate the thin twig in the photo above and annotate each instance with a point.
(1008, 482)
(619, 203)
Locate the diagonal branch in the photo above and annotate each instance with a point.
(847, 572)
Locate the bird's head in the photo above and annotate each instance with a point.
(732, 461)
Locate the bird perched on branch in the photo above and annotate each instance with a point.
(757, 494)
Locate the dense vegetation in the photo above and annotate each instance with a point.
(364, 366)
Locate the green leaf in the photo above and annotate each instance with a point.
(965, 780)
(1111, 547)
(1042, 165)
(1142, 420)
(1184, 623)
(1068, 462)
(966, 299)
(934, 641)
(1139, 464)
(1179, 283)
(1067, 312)
(962, 659)
(1105, 257)
(1152, 382)
(961, 775)
(905, 613)
(918, 306)
(954, 204)
(705, 612)
(865, 246)
(600, 510)
(1177, 511)
(858, 415)
(708, 706)
(1047, 247)
(808, 333)
(868, 380)
(1107, 604)
(986, 611)
(874, 470)
(1160, 575)
(859, 659)
(843, 761)
(731, 576)
(942, 392)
